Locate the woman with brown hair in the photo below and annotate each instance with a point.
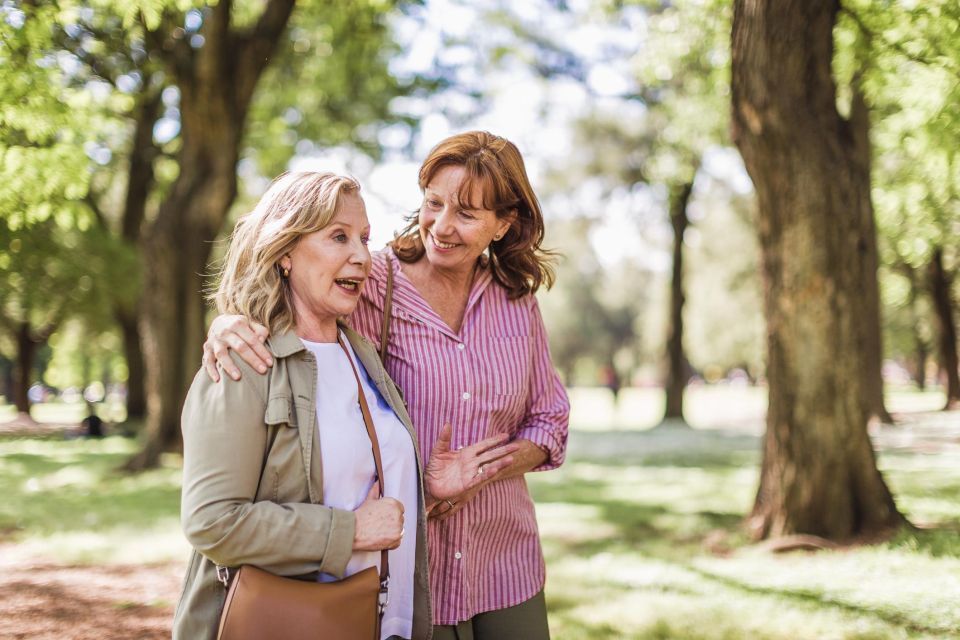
(466, 344)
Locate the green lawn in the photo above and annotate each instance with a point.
(641, 528)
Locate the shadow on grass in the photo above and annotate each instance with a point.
(665, 447)
(819, 599)
(71, 486)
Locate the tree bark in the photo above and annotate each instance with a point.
(872, 335)
(677, 367)
(940, 286)
(216, 83)
(26, 350)
(819, 474)
(141, 179)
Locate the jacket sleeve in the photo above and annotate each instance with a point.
(224, 439)
(548, 410)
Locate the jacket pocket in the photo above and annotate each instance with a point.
(280, 410)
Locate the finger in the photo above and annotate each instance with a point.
(262, 332)
(253, 335)
(495, 454)
(245, 351)
(491, 469)
(373, 493)
(442, 445)
(222, 354)
(210, 363)
(450, 512)
(489, 443)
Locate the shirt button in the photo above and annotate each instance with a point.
(458, 555)
(461, 346)
(466, 395)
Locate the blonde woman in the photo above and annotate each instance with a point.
(278, 470)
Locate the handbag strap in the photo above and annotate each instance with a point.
(387, 309)
(375, 445)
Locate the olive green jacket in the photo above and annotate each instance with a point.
(252, 483)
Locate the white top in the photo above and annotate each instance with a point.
(349, 471)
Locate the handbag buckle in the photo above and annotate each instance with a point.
(223, 575)
(383, 599)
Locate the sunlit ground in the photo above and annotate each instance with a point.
(641, 527)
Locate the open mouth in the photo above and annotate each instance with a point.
(441, 245)
(350, 284)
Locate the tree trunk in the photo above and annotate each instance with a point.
(677, 368)
(136, 370)
(920, 362)
(216, 83)
(819, 474)
(872, 336)
(943, 308)
(26, 350)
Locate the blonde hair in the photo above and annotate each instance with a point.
(295, 205)
(494, 164)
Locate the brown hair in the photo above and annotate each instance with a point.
(493, 164)
(296, 204)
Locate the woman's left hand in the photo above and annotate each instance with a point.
(451, 473)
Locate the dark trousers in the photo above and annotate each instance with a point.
(525, 621)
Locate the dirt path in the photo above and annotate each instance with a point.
(43, 601)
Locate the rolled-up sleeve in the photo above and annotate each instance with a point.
(224, 439)
(547, 417)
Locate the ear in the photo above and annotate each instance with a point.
(504, 224)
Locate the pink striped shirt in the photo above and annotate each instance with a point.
(494, 377)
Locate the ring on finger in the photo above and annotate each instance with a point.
(450, 503)
(480, 470)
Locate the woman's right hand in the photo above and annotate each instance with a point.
(244, 337)
(379, 523)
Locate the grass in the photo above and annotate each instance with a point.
(641, 529)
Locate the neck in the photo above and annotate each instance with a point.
(315, 329)
(450, 279)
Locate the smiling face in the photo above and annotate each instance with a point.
(329, 267)
(454, 236)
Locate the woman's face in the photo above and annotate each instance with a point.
(328, 267)
(452, 236)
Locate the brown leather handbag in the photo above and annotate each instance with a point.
(262, 605)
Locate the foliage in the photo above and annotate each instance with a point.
(908, 57)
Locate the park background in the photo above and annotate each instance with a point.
(755, 206)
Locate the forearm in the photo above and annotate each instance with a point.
(527, 458)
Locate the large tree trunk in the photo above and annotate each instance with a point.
(819, 474)
(677, 368)
(216, 84)
(943, 308)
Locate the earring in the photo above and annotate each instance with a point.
(285, 272)
(497, 237)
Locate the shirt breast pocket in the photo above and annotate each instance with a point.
(508, 364)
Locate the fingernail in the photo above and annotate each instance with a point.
(262, 369)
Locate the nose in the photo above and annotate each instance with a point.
(361, 255)
(443, 223)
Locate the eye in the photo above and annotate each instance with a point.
(340, 236)
(466, 214)
(365, 239)
(433, 204)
